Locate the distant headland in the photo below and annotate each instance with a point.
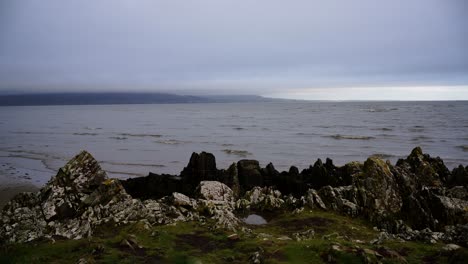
(120, 98)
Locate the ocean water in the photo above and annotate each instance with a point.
(132, 140)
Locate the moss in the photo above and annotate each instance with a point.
(193, 243)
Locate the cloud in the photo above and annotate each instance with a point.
(231, 46)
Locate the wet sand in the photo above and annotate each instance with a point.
(10, 190)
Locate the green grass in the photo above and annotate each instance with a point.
(195, 243)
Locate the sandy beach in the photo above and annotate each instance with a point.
(9, 191)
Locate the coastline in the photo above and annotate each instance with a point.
(11, 189)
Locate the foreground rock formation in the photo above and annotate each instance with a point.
(416, 199)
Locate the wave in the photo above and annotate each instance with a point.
(139, 135)
(339, 137)
(416, 129)
(417, 138)
(118, 138)
(171, 142)
(383, 156)
(132, 164)
(306, 134)
(383, 129)
(92, 128)
(378, 110)
(240, 153)
(85, 134)
(463, 147)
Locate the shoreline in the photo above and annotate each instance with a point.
(7, 192)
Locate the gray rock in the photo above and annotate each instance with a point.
(214, 191)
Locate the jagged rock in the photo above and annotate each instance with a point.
(249, 174)
(456, 234)
(201, 167)
(308, 234)
(429, 171)
(459, 192)
(215, 191)
(231, 179)
(257, 257)
(427, 208)
(153, 186)
(21, 219)
(377, 190)
(80, 198)
(181, 200)
(313, 200)
(321, 174)
(64, 194)
(266, 198)
(459, 177)
(270, 174)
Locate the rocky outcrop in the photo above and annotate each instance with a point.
(418, 198)
(80, 198)
(262, 199)
(214, 191)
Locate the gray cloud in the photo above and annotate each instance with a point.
(230, 46)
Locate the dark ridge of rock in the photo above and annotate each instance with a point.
(429, 171)
(153, 186)
(230, 177)
(201, 167)
(249, 174)
(459, 176)
(270, 174)
(418, 193)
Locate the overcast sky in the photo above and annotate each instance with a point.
(293, 49)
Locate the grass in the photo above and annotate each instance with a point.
(192, 242)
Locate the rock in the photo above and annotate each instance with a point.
(86, 260)
(429, 171)
(391, 254)
(333, 199)
(64, 194)
(321, 174)
(381, 238)
(314, 201)
(153, 186)
(217, 201)
(201, 167)
(266, 198)
(456, 234)
(270, 175)
(233, 237)
(249, 174)
(180, 200)
(459, 176)
(215, 191)
(451, 247)
(377, 190)
(284, 238)
(230, 178)
(257, 257)
(308, 234)
(428, 208)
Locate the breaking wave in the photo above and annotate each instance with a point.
(240, 153)
(339, 137)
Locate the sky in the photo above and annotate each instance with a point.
(297, 49)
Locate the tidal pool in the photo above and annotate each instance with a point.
(255, 219)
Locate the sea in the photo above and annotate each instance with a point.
(133, 140)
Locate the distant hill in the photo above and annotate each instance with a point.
(118, 98)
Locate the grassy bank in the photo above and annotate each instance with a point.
(337, 239)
